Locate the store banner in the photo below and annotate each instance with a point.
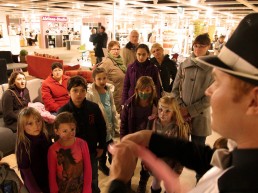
(54, 18)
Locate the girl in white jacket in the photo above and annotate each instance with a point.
(101, 93)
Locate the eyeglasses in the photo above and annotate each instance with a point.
(199, 46)
(116, 49)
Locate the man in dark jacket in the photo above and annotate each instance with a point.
(91, 125)
(100, 41)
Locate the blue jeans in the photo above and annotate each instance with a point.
(94, 167)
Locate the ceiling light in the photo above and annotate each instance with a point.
(10, 5)
(194, 2)
(209, 12)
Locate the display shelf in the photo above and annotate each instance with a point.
(50, 41)
(65, 38)
(53, 41)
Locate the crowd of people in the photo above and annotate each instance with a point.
(162, 113)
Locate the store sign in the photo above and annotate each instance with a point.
(54, 19)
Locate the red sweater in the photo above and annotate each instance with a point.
(70, 168)
(54, 94)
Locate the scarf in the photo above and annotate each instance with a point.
(118, 61)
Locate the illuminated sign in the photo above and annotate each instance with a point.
(54, 18)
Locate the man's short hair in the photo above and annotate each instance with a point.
(76, 81)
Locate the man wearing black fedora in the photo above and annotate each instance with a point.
(234, 103)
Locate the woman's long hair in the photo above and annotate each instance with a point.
(184, 128)
(13, 76)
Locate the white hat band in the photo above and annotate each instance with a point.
(236, 62)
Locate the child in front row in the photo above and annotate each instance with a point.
(137, 111)
(31, 150)
(169, 123)
(68, 159)
(101, 93)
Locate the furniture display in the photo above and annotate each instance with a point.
(87, 74)
(40, 66)
(52, 41)
(7, 137)
(11, 65)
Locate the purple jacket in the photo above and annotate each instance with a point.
(134, 72)
(128, 115)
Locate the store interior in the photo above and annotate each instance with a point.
(46, 27)
(174, 24)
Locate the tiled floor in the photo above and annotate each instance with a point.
(187, 178)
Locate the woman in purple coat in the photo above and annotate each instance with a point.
(141, 67)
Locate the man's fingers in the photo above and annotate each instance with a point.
(160, 170)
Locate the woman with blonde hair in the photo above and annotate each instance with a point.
(113, 64)
(32, 145)
(167, 67)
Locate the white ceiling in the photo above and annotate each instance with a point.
(226, 9)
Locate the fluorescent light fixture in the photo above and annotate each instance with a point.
(194, 2)
(10, 5)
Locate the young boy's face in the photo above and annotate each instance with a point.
(77, 95)
(101, 80)
(66, 131)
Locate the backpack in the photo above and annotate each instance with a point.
(10, 181)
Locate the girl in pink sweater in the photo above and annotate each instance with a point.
(68, 159)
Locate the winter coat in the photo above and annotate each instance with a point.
(128, 54)
(128, 115)
(12, 106)
(54, 94)
(167, 71)
(134, 72)
(116, 77)
(93, 95)
(192, 79)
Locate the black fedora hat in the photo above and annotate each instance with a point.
(239, 56)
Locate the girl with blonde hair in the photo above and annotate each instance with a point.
(169, 123)
(32, 145)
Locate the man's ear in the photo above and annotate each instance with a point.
(253, 107)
